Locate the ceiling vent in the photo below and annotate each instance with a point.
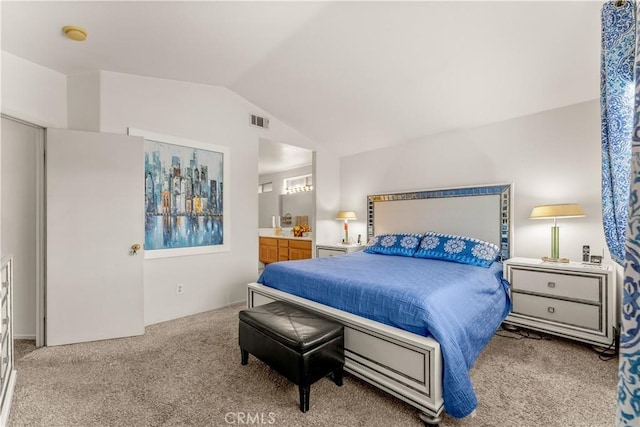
(261, 122)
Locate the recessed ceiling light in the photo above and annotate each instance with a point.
(75, 33)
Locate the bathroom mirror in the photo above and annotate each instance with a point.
(296, 205)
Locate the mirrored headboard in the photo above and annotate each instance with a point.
(483, 212)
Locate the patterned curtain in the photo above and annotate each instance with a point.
(616, 102)
(618, 22)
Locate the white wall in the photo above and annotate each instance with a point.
(37, 95)
(551, 157)
(33, 93)
(83, 96)
(204, 113)
(212, 115)
(326, 184)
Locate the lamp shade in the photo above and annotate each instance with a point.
(571, 210)
(346, 215)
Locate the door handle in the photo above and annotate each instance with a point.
(135, 248)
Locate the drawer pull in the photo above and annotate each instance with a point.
(551, 310)
(551, 284)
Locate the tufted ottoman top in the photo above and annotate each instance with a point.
(290, 325)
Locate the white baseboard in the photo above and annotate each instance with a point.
(228, 304)
(8, 398)
(24, 337)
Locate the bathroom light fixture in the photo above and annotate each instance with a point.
(75, 33)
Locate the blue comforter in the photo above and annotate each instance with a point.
(460, 305)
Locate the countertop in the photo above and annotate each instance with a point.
(286, 234)
(287, 237)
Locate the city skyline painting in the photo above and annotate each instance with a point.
(184, 197)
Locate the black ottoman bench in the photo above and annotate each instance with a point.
(300, 345)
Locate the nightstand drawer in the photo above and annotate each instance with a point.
(587, 288)
(559, 311)
(323, 252)
(329, 250)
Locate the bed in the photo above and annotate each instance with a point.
(418, 353)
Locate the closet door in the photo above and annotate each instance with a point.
(22, 213)
(95, 213)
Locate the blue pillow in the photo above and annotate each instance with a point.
(465, 250)
(394, 244)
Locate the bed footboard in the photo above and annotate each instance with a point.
(403, 364)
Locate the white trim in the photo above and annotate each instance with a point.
(28, 120)
(226, 208)
(40, 239)
(24, 337)
(40, 223)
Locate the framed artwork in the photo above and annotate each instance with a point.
(186, 196)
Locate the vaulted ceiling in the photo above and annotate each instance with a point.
(351, 76)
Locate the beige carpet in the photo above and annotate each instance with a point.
(187, 372)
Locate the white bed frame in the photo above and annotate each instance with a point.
(407, 365)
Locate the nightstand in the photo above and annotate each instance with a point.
(572, 300)
(331, 249)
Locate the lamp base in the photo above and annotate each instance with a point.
(547, 259)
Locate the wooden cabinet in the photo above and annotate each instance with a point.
(573, 300)
(283, 249)
(268, 250)
(299, 249)
(273, 249)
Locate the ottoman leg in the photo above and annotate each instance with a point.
(337, 377)
(305, 390)
(244, 356)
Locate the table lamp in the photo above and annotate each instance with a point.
(346, 216)
(572, 210)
